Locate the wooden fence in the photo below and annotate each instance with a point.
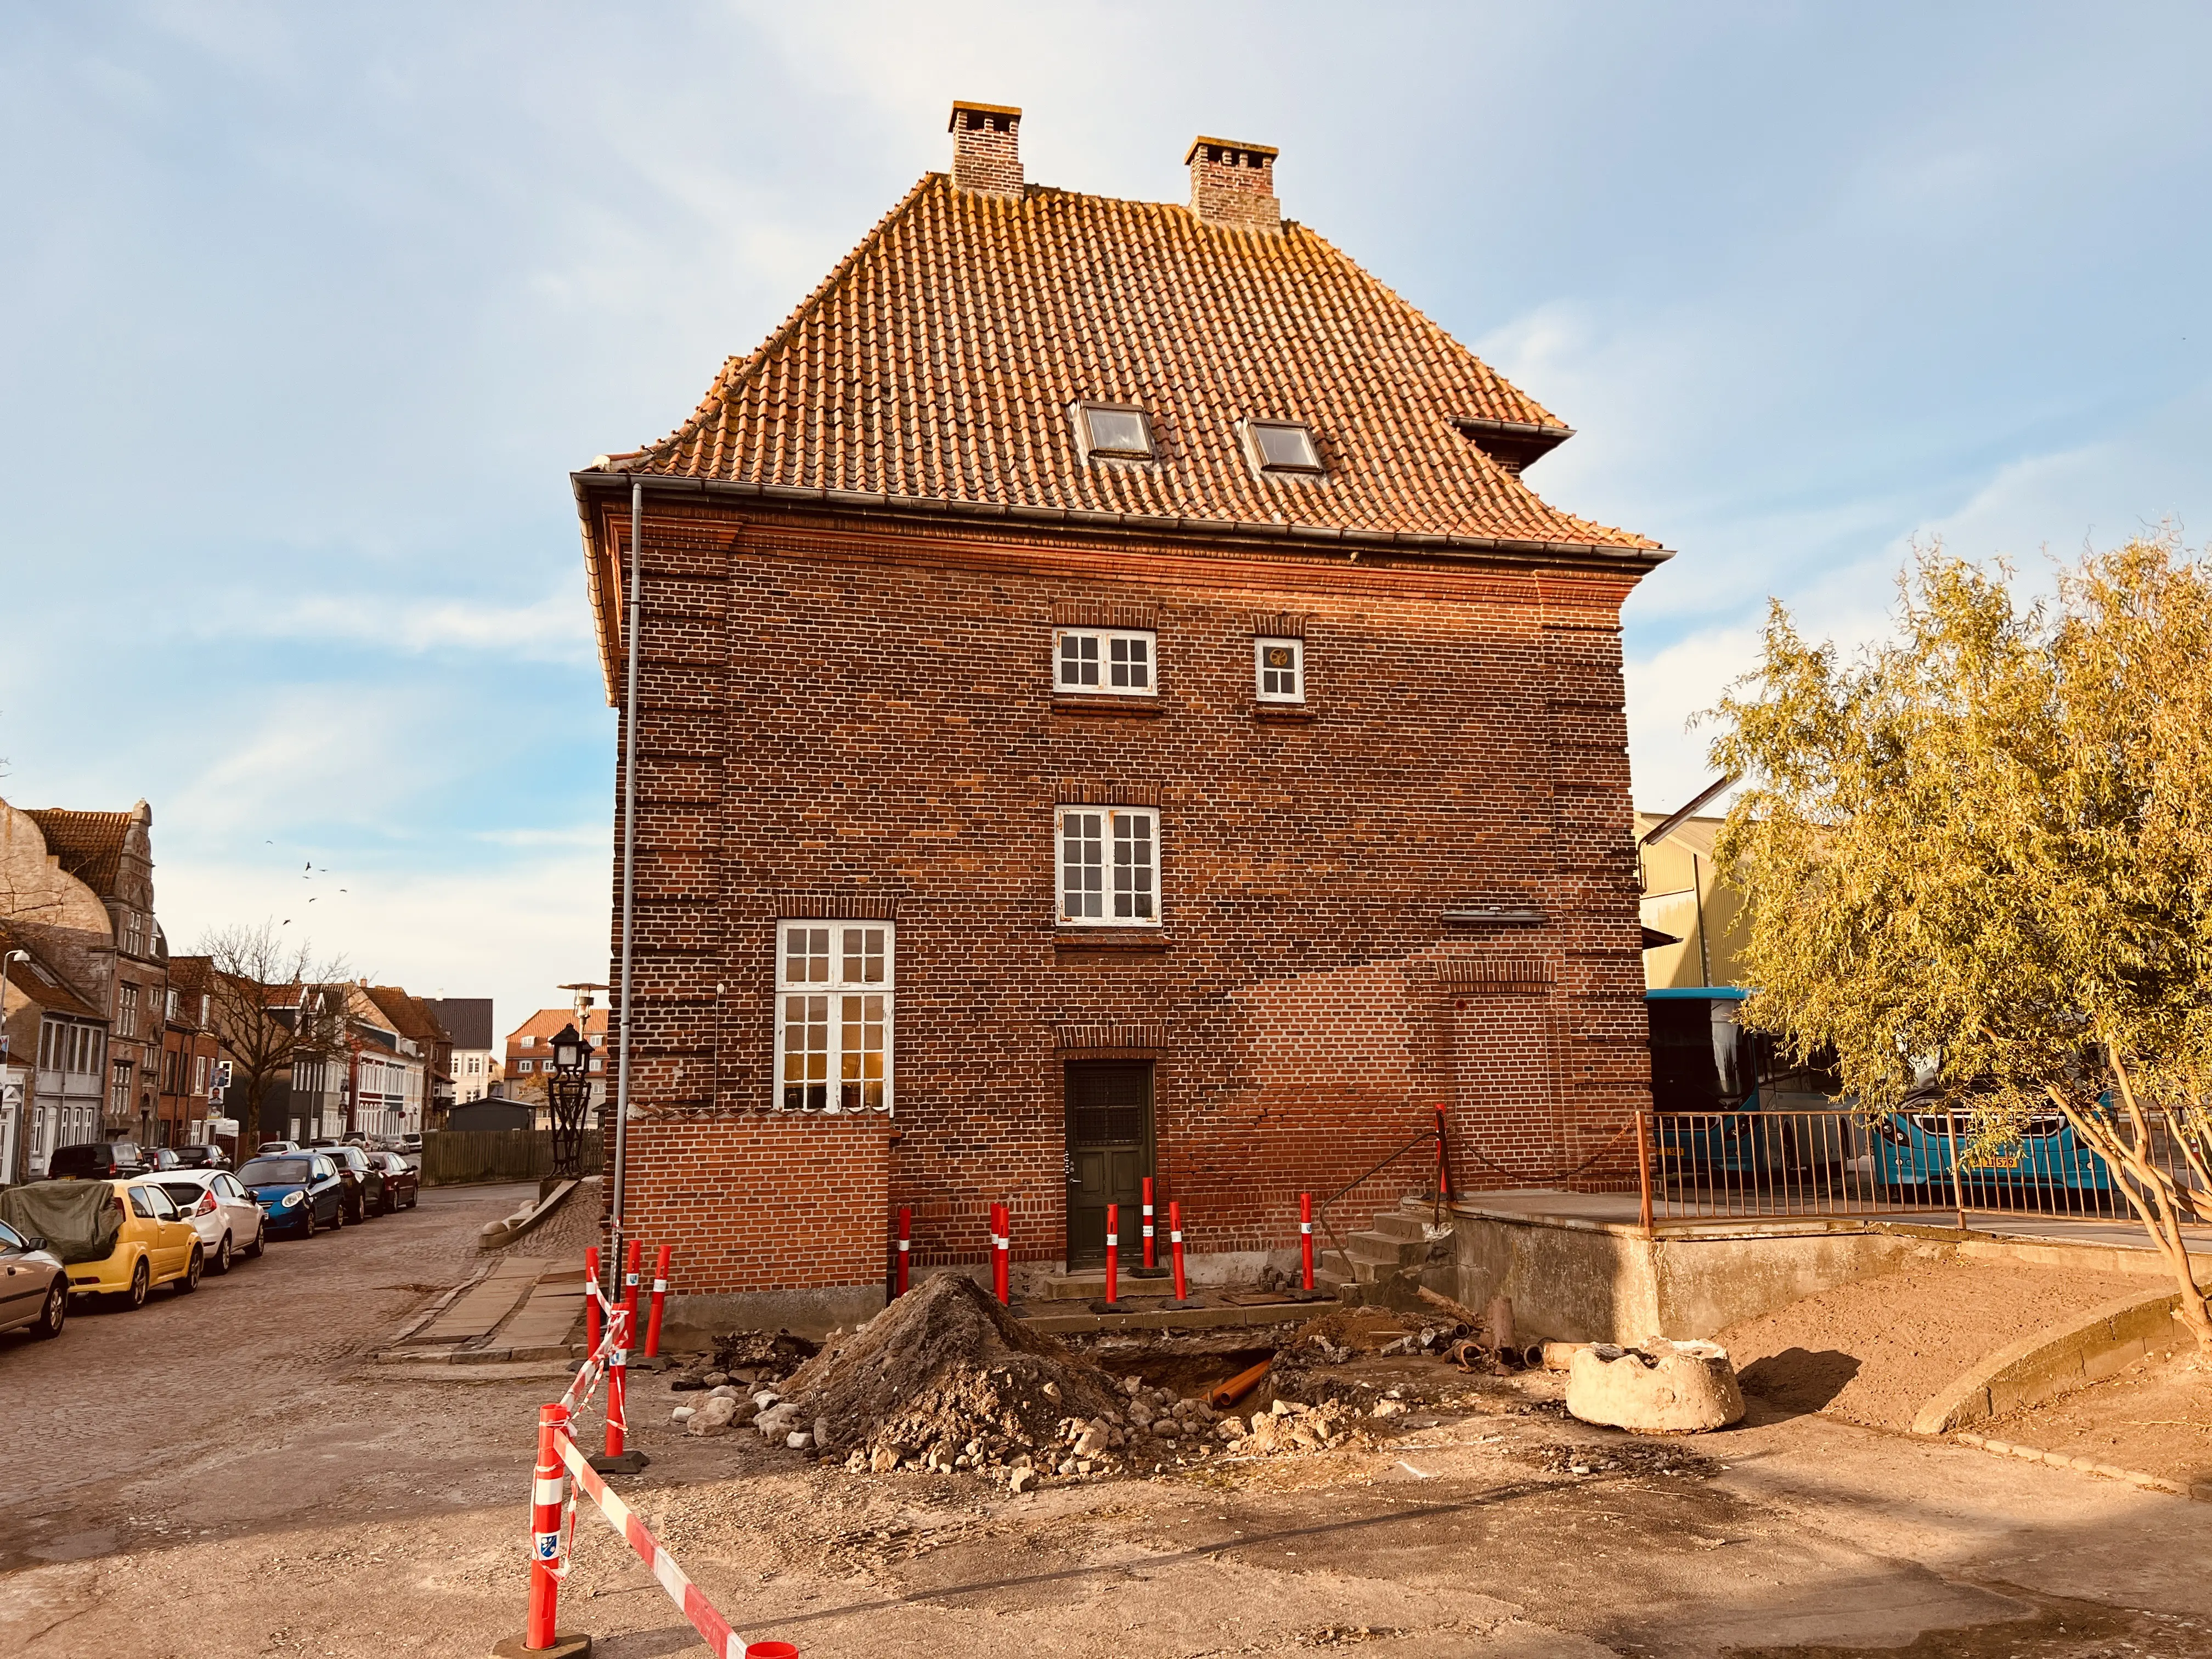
(452, 1157)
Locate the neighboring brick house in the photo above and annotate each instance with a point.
(189, 1053)
(1109, 704)
(107, 857)
(530, 1057)
(468, 1021)
(416, 1019)
(56, 1051)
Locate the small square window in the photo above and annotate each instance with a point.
(1279, 668)
(1282, 447)
(1105, 662)
(1113, 433)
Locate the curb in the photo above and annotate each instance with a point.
(496, 1235)
(2055, 1360)
(2199, 1491)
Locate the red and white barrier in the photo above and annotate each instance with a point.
(593, 1299)
(1175, 1246)
(1113, 1257)
(547, 1558)
(1306, 1238)
(905, 1245)
(1149, 1263)
(660, 1298)
(1002, 1244)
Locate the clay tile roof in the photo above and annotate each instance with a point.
(410, 1016)
(546, 1024)
(41, 982)
(88, 844)
(939, 359)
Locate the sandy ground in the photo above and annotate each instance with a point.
(1875, 1351)
(291, 1499)
(2155, 1417)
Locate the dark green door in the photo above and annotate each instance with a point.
(1109, 1153)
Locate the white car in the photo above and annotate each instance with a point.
(226, 1217)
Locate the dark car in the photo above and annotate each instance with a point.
(33, 1285)
(202, 1158)
(161, 1158)
(298, 1192)
(364, 1182)
(97, 1160)
(402, 1188)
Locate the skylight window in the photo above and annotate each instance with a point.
(1113, 433)
(1282, 447)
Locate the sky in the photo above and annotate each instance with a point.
(312, 310)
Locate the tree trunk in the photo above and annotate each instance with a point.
(2150, 1191)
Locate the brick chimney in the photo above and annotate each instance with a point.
(1233, 185)
(987, 149)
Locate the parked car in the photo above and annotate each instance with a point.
(297, 1191)
(271, 1148)
(411, 1143)
(96, 1160)
(163, 1157)
(202, 1157)
(33, 1284)
(154, 1245)
(364, 1182)
(226, 1217)
(402, 1188)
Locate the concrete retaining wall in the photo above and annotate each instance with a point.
(1576, 1280)
(2055, 1360)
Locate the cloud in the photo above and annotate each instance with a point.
(556, 629)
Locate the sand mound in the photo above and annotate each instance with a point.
(944, 1379)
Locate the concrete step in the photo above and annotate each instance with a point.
(1403, 1223)
(1387, 1250)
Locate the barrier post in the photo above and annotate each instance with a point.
(1443, 1162)
(905, 1244)
(1149, 1262)
(659, 1297)
(1113, 1257)
(620, 1457)
(630, 1291)
(591, 1299)
(548, 1495)
(1175, 1247)
(1305, 1239)
(1001, 1247)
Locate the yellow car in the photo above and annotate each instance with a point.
(155, 1244)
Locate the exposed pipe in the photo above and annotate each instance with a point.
(628, 858)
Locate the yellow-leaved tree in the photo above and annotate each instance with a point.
(1984, 846)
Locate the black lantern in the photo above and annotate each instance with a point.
(569, 1092)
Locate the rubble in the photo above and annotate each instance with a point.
(747, 1357)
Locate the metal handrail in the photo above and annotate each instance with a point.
(1320, 1211)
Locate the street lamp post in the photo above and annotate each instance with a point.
(569, 1092)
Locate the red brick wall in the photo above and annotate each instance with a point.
(839, 714)
(760, 1202)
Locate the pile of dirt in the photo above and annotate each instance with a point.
(746, 1356)
(943, 1379)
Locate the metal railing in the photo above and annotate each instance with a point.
(1755, 1165)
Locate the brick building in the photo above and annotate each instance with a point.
(1108, 703)
(189, 1053)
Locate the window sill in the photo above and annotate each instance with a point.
(1064, 703)
(1298, 714)
(1114, 941)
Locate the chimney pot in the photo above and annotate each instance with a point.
(987, 149)
(1232, 185)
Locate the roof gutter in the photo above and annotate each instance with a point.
(1316, 538)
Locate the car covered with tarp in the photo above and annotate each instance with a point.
(78, 1219)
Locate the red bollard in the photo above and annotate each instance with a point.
(630, 1289)
(1443, 1163)
(591, 1300)
(546, 1494)
(905, 1243)
(1305, 1235)
(1149, 1262)
(659, 1297)
(1002, 1243)
(1113, 1254)
(617, 1380)
(1174, 1247)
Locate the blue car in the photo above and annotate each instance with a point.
(1914, 1149)
(298, 1192)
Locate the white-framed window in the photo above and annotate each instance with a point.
(1106, 661)
(169, 1004)
(1113, 432)
(523, 1066)
(199, 1075)
(1279, 670)
(1109, 867)
(127, 1018)
(530, 1042)
(834, 986)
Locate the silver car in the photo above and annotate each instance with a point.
(33, 1285)
(228, 1218)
